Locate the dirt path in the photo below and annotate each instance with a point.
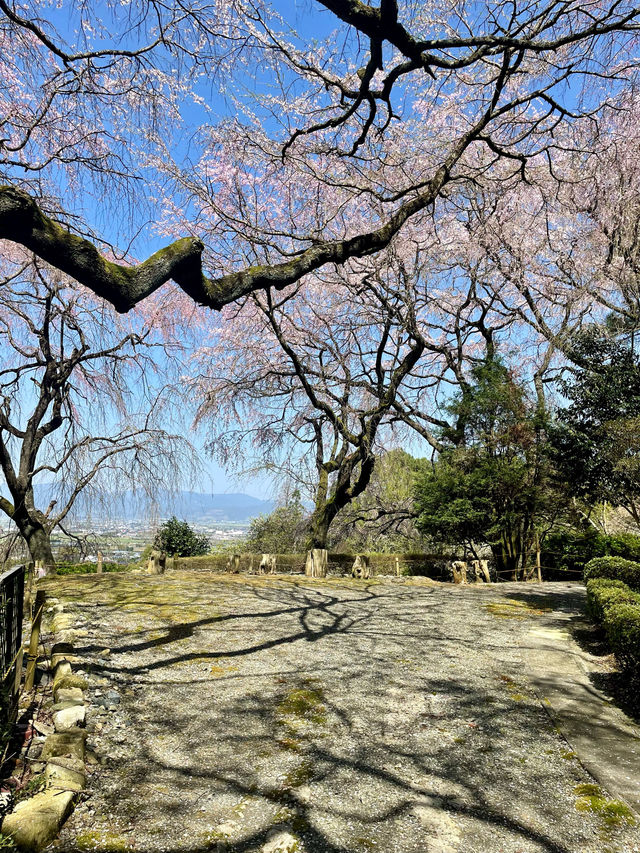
(278, 714)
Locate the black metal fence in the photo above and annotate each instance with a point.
(11, 615)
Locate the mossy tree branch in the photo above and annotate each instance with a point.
(23, 222)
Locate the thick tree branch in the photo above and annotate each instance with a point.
(22, 221)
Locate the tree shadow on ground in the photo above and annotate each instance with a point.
(436, 763)
(372, 767)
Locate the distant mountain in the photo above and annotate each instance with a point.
(190, 506)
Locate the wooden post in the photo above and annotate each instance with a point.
(538, 566)
(397, 567)
(317, 562)
(28, 587)
(32, 654)
(99, 566)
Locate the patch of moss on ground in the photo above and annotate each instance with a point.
(591, 798)
(104, 841)
(509, 608)
(365, 843)
(304, 703)
(300, 774)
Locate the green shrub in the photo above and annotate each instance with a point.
(91, 568)
(177, 538)
(570, 550)
(603, 593)
(622, 627)
(615, 568)
(625, 545)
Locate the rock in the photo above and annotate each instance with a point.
(61, 670)
(63, 778)
(105, 653)
(43, 728)
(66, 681)
(62, 622)
(69, 718)
(61, 652)
(91, 757)
(68, 743)
(70, 762)
(36, 821)
(34, 750)
(67, 694)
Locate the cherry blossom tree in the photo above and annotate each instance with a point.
(299, 384)
(80, 409)
(378, 121)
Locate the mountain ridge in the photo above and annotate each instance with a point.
(187, 505)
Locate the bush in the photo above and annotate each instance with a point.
(615, 568)
(570, 550)
(604, 592)
(91, 568)
(625, 545)
(622, 627)
(177, 538)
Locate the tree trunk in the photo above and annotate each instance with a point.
(38, 540)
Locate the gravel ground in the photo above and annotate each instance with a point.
(234, 713)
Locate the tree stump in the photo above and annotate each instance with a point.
(233, 564)
(361, 568)
(481, 569)
(268, 564)
(157, 563)
(317, 561)
(459, 570)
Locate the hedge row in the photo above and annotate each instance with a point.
(91, 568)
(338, 564)
(603, 593)
(614, 605)
(614, 568)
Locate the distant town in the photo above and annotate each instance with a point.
(124, 540)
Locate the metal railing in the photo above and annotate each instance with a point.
(11, 615)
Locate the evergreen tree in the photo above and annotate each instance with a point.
(178, 539)
(491, 484)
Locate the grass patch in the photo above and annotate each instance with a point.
(304, 703)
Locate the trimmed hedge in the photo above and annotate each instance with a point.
(622, 627)
(91, 568)
(614, 568)
(617, 608)
(603, 593)
(429, 565)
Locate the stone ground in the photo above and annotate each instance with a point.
(234, 713)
